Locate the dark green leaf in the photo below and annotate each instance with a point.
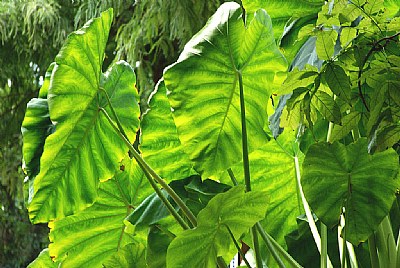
(349, 122)
(338, 81)
(325, 104)
(336, 176)
(387, 137)
(297, 79)
(205, 100)
(158, 241)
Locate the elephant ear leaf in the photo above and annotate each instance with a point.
(337, 176)
(84, 149)
(205, 100)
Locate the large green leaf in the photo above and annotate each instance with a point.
(91, 236)
(336, 176)
(204, 87)
(272, 169)
(84, 148)
(201, 246)
(159, 142)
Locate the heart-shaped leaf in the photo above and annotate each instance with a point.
(204, 87)
(336, 176)
(84, 149)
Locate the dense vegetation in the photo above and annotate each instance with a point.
(277, 126)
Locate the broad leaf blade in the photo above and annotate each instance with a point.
(160, 145)
(100, 227)
(84, 148)
(336, 176)
(204, 87)
(211, 238)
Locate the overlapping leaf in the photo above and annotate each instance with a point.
(98, 231)
(84, 148)
(210, 239)
(272, 169)
(160, 144)
(288, 17)
(336, 176)
(204, 87)
(35, 129)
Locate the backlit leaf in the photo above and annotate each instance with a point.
(84, 149)
(272, 168)
(326, 40)
(204, 87)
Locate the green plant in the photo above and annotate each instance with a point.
(327, 147)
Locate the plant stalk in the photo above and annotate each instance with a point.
(237, 247)
(246, 167)
(310, 218)
(275, 248)
(144, 165)
(151, 175)
(372, 251)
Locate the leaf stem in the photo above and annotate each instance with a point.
(149, 173)
(372, 251)
(237, 247)
(310, 218)
(275, 248)
(246, 166)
